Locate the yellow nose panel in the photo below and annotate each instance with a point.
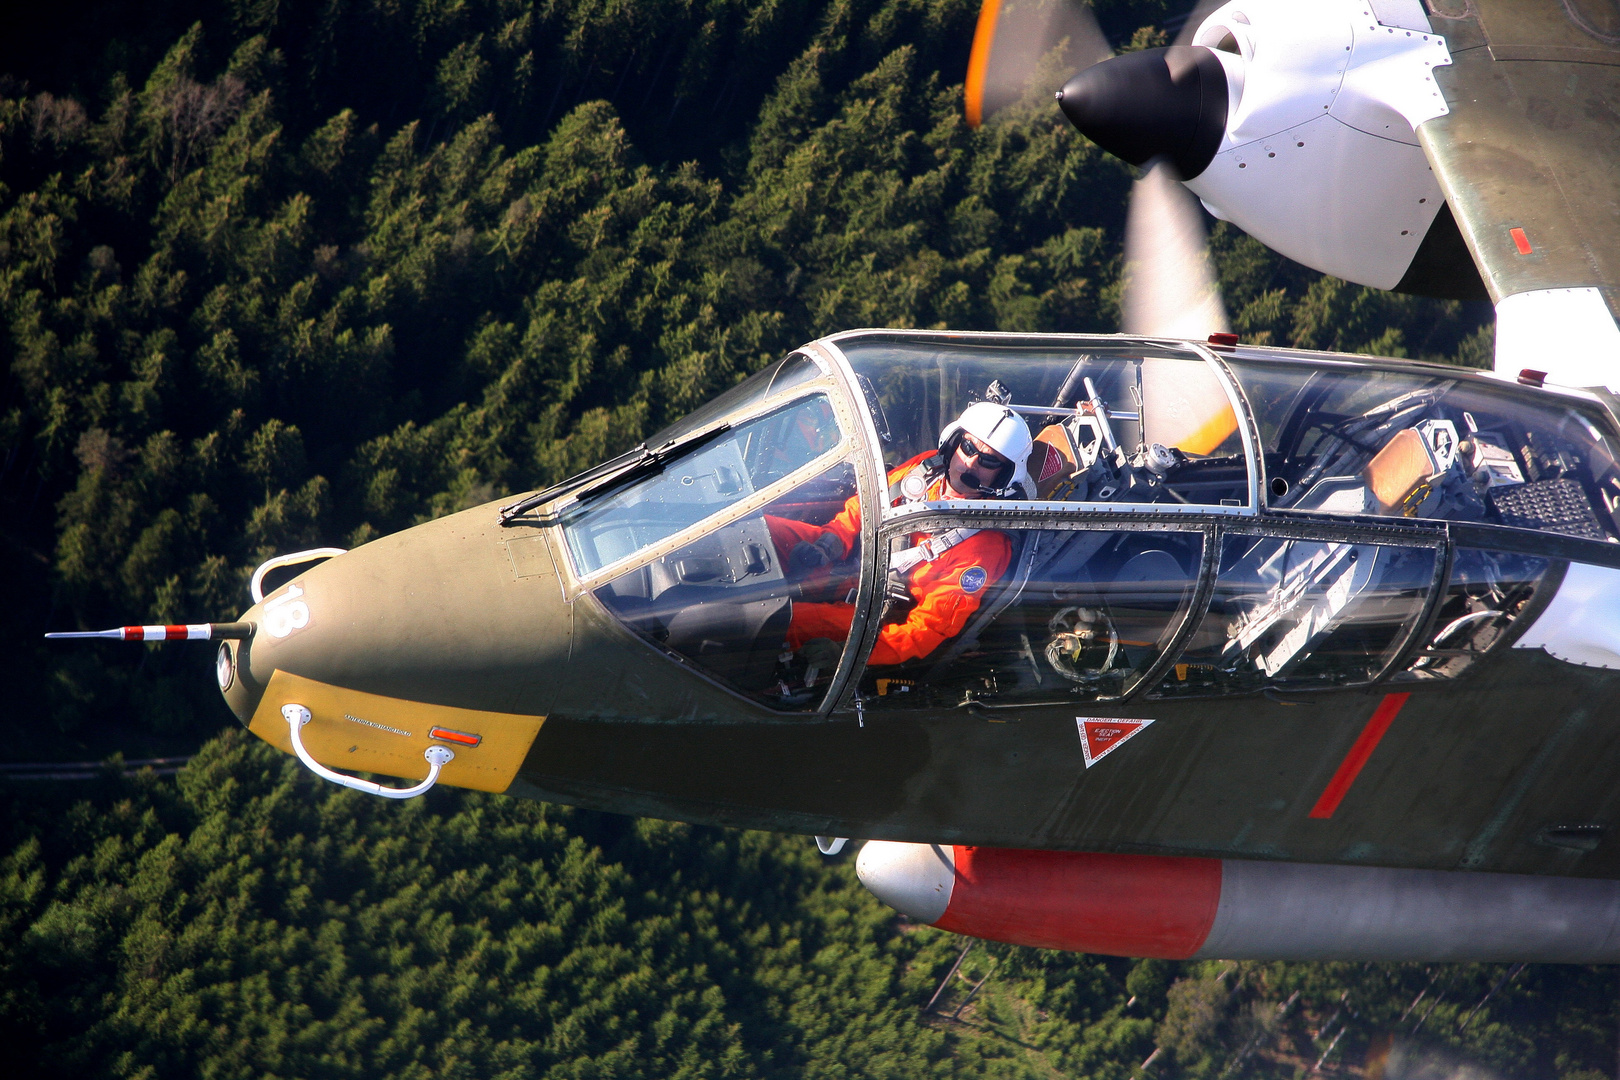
(360, 732)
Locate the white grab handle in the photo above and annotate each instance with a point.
(256, 586)
(437, 757)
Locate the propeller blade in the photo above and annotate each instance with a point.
(1195, 19)
(1012, 39)
(182, 632)
(1170, 287)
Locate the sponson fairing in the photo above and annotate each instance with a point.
(1232, 554)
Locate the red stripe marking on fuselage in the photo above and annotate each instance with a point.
(1350, 767)
(1123, 905)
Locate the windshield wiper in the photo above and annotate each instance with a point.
(626, 466)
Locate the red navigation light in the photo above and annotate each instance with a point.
(1532, 377)
(464, 738)
(1223, 339)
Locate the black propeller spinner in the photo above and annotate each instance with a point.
(1168, 101)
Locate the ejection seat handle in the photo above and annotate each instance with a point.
(437, 757)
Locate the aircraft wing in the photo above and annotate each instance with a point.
(1529, 160)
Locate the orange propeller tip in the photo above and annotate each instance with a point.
(984, 39)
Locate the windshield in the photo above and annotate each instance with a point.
(1360, 440)
(757, 602)
(614, 525)
(1105, 424)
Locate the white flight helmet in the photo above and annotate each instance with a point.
(1005, 432)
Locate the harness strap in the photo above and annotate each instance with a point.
(930, 549)
(913, 487)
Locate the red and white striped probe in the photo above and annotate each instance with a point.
(208, 631)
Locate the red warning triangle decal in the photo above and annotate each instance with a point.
(1101, 736)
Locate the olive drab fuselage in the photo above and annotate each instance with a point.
(1234, 562)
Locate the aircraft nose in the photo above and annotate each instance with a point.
(458, 612)
(914, 879)
(1168, 101)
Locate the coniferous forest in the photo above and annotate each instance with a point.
(284, 273)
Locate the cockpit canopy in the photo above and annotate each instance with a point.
(1195, 522)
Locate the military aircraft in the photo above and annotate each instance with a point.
(1259, 653)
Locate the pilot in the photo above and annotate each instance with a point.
(934, 585)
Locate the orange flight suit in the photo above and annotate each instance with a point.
(947, 590)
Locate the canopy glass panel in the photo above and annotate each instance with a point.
(1303, 614)
(726, 601)
(1342, 439)
(616, 524)
(1035, 615)
(1111, 424)
(1487, 593)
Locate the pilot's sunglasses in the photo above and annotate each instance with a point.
(973, 453)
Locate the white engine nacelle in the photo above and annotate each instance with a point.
(1296, 120)
(1320, 160)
